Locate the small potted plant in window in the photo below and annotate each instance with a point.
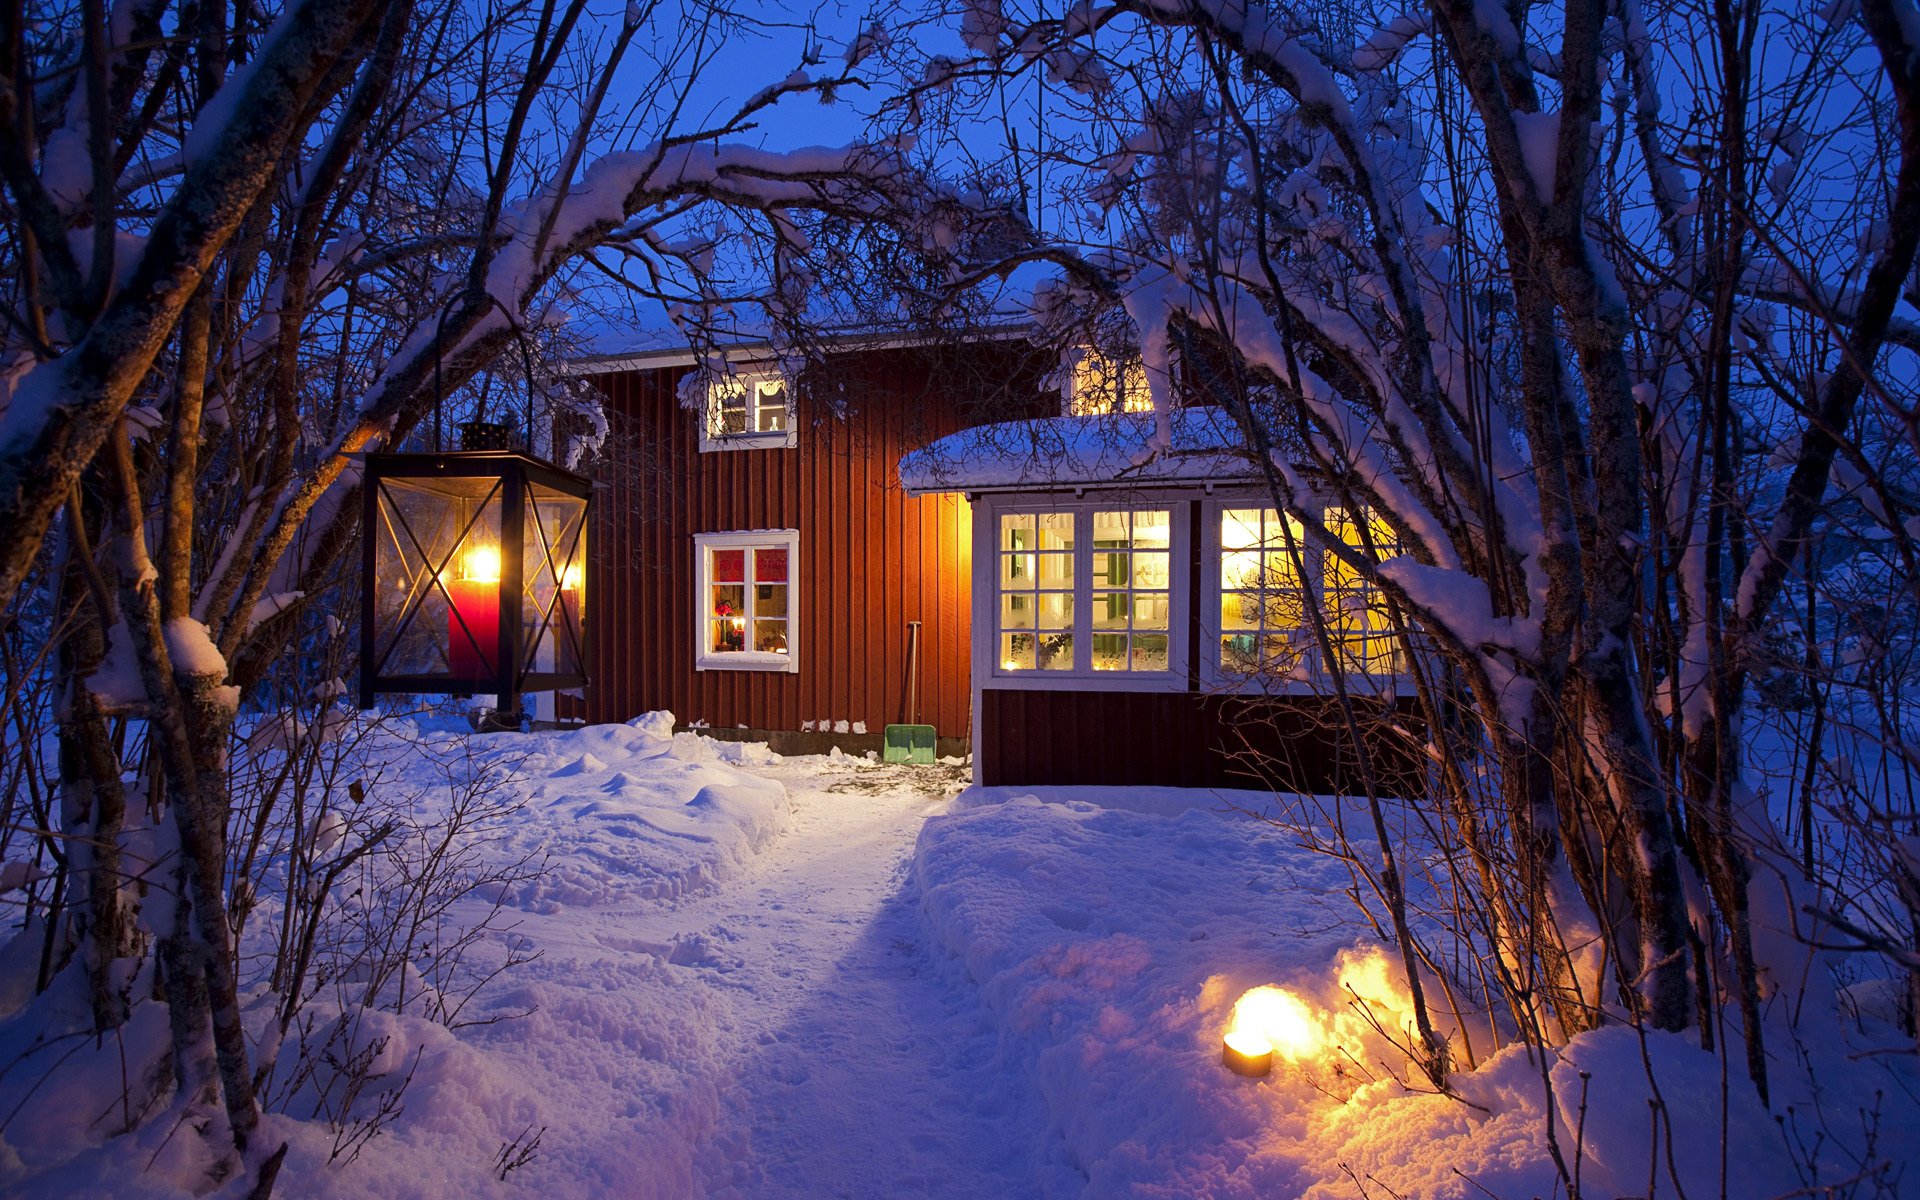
(733, 630)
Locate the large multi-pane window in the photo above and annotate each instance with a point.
(1036, 591)
(746, 600)
(1268, 574)
(1262, 595)
(1131, 590)
(1084, 590)
(1360, 626)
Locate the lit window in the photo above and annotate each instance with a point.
(1262, 613)
(1036, 591)
(748, 411)
(1102, 385)
(1360, 625)
(1267, 574)
(1131, 590)
(747, 598)
(1085, 592)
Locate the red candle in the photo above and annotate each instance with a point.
(567, 629)
(473, 617)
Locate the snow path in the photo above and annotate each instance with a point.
(831, 1050)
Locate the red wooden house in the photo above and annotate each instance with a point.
(1088, 612)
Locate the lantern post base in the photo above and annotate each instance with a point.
(496, 720)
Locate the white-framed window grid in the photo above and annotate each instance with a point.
(1082, 594)
(747, 600)
(748, 410)
(1257, 580)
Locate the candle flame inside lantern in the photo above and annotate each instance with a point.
(1278, 1018)
(481, 564)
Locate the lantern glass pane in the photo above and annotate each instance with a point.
(436, 582)
(553, 602)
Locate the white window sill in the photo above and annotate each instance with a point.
(747, 660)
(1102, 681)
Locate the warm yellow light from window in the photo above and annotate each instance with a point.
(570, 578)
(1101, 385)
(1279, 1018)
(481, 564)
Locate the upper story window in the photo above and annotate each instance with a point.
(1267, 576)
(1106, 385)
(1086, 593)
(750, 410)
(748, 596)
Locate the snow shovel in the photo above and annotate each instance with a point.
(911, 743)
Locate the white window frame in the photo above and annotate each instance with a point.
(1215, 677)
(1083, 678)
(706, 659)
(751, 379)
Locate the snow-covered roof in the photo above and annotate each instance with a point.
(1098, 451)
(653, 349)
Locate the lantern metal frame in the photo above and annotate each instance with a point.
(514, 475)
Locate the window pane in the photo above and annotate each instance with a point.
(1153, 529)
(1016, 570)
(1110, 531)
(1016, 611)
(1056, 652)
(1056, 531)
(1240, 570)
(1109, 612)
(770, 600)
(1239, 610)
(1016, 651)
(1239, 528)
(726, 635)
(770, 637)
(1283, 610)
(729, 566)
(1109, 651)
(770, 564)
(1281, 569)
(1056, 610)
(1016, 531)
(1150, 570)
(1149, 652)
(1110, 568)
(771, 403)
(1056, 570)
(1150, 611)
(729, 600)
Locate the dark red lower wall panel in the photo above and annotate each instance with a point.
(1179, 739)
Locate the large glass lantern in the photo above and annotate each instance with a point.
(474, 577)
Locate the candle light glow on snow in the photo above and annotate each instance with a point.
(1278, 1018)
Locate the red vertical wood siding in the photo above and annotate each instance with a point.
(871, 557)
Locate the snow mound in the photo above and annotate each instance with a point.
(633, 812)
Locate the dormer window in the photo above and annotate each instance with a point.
(1108, 385)
(751, 410)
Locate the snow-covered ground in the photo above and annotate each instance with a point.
(820, 977)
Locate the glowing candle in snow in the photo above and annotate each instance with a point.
(473, 619)
(1269, 1021)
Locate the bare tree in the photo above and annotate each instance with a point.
(1594, 370)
